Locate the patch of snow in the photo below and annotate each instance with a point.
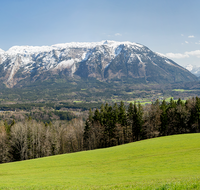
(161, 55)
(154, 63)
(2, 51)
(65, 64)
(86, 55)
(14, 69)
(193, 69)
(73, 68)
(168, 62)
(118, 50)
(189, 67)
(115, 44)
(139, 57)
(24, 50)
(197, 71)
(107, 65)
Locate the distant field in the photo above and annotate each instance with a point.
(142, 101)
(171, 162)
(183, 90)
(77, 101)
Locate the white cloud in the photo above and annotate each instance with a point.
(176, 55)
(194, 53)
(182, 35)
(187, 54)
(118, 34)
(186, 42)
(191, 36)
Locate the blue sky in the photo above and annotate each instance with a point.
(170, 27)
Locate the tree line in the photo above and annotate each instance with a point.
(118, 124)
(108, 126)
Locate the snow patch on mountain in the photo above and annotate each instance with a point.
(161, 55)
(168, 62)
(189, 67)
(118, 50)
(89, 45)
(193, 69)
(66, 64)
(138, 57)
(86, 55)
(2, 51)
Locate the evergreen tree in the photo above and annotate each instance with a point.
(152, 121)
(180, 102)
(102, 113)
(163, 118)
(123, 119)
(122, 114)
(115, 113)
(190, 106)
(130, 114)
(90, 115)
(172, 103)
(171, 115)
(7, 127)
(137, 121)
(110, 124)
(197, 113)
(106, 107)
(86, 135)
(96, 116)
(182, 117)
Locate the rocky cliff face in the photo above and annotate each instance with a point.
(106, 60)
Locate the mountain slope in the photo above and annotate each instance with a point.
(106, 60)
(147, 164)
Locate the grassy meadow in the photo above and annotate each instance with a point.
(171, 162)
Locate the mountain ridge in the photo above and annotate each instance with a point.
(105, 60)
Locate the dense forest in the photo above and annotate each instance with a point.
(108, 126)
(115, 125)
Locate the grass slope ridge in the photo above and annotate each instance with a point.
(171, 162)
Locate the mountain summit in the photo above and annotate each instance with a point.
(105, 60)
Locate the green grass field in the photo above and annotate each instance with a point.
(171, 162)
(182, 90)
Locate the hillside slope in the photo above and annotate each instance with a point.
(144, 164)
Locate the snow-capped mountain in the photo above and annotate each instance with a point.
(105, 60)
(193, 69)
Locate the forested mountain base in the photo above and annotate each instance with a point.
(54, 91)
